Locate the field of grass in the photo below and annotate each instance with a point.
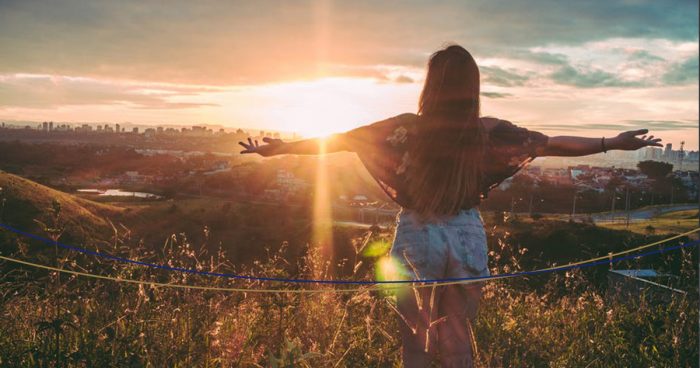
(562, 320)
(687, 214)
(658, 226)
(50, 321)
(667, 223)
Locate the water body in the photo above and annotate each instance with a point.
(118, 193)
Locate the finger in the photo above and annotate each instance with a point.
(250, 141)
(267, 139)
(245, 151)
(256, 143)
(640, 131)
(650, 137)
(244, 145)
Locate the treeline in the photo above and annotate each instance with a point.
(524, 195)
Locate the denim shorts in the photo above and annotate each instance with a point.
(452, 248)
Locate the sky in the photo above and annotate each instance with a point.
(588, 68)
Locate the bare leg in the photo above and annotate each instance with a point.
(459, 303)
(418, 309)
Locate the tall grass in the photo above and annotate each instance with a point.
(565, 323)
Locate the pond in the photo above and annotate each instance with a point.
(118, 193)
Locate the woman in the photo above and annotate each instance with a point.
(438, 165)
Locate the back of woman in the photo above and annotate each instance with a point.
(438, 165)
(440, 233)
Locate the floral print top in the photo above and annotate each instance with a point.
(383, 148)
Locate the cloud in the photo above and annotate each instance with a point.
(43, 91)
(403, 79)
(539, 57)
(504, 78)
(496, 94)
(663, 125)
(244, 42)
(685, 72)
(645, 56)
(591, 78)
(652, 125)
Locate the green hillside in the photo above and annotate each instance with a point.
(24, 203)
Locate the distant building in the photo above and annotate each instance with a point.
(577, 170)
(650, 153)
(689, 180)
(557, 176)
(288, 182)
(667, 151)
(533, 170)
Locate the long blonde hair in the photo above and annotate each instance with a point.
(447, 160)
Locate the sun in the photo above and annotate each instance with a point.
(321, 107)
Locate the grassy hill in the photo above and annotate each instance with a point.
(24, 202)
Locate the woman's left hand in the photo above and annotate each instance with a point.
(629, 141)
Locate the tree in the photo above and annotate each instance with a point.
(654, 169)
(663, 182)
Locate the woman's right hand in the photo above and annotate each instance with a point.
(628, 141)
(272, 147)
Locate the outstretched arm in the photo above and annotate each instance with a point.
(361, 139)
(581, 146)
(313, 146)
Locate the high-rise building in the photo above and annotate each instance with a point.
(667, 151)
(649, 153)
